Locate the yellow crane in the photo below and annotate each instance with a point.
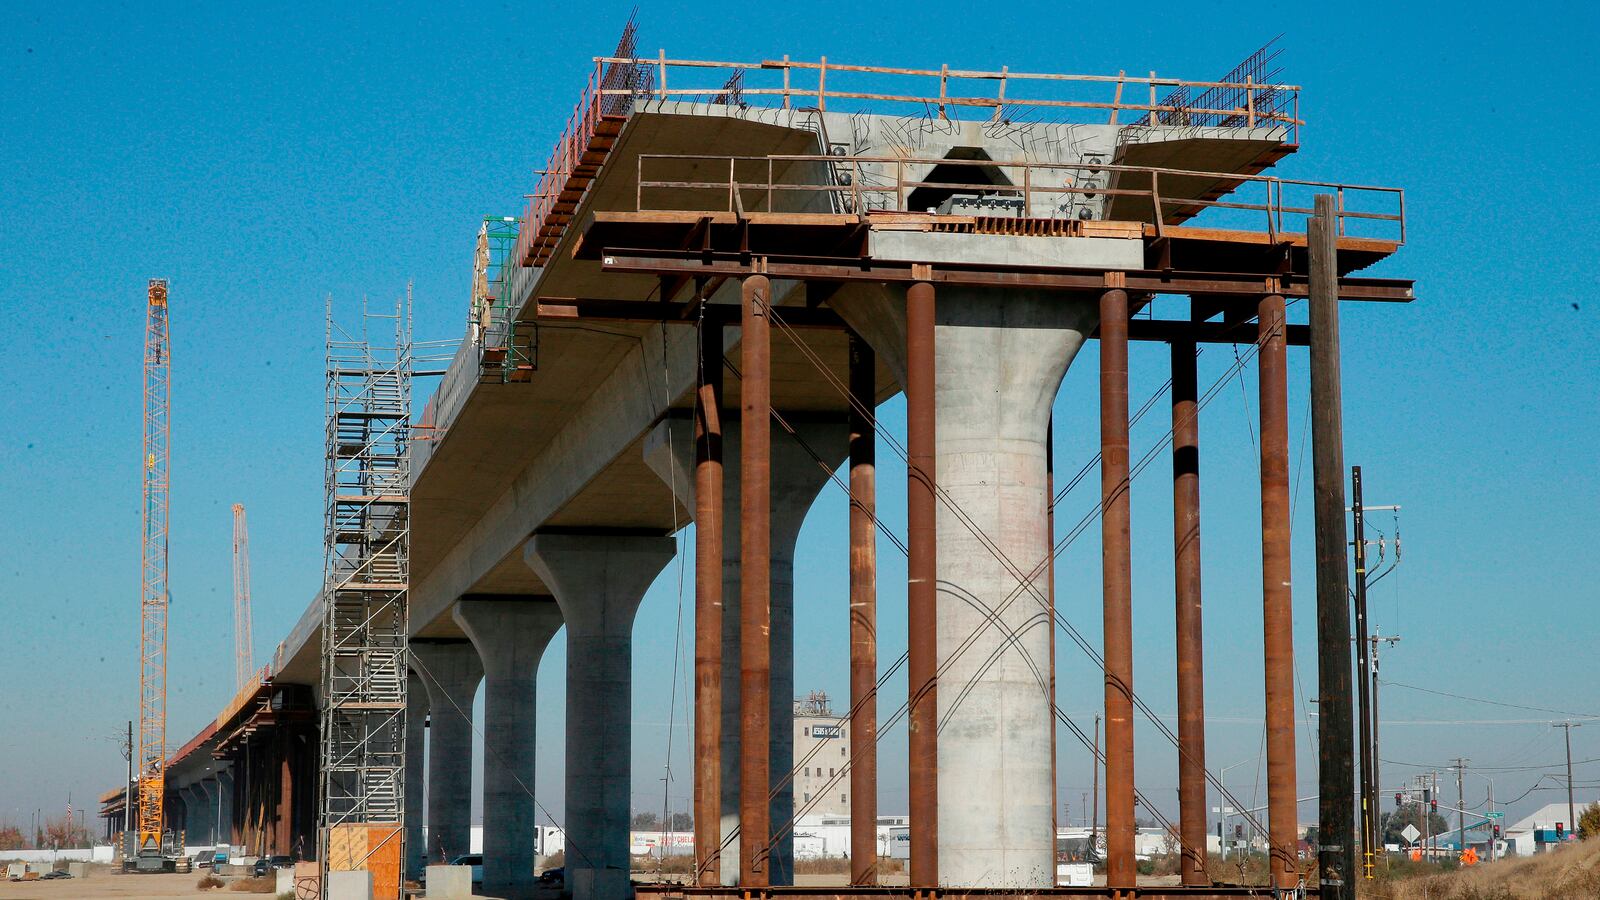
(152, 758)
(243, 667)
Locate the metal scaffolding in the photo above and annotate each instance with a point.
(366, 578)
(508, 350)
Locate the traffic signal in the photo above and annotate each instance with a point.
(1497, 832)
(1560, 828)
(1399, 798)
(1433, 806)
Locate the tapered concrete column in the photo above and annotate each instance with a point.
(451, 670)
(797, 479)
(225, 801)
(208, 810)
(1000, 357)
(416, 772)
(191, 797)
(510, 634)
(598, 580)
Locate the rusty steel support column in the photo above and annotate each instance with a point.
(863, 616)
(1335, 775)
(708, 607)
(1050, 572)
(922, 594)
(1117, 577)
(755, 588)
(1277, 609)
(1186, 578)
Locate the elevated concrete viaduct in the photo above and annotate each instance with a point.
(670, 340)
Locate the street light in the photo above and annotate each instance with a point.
(1222, 778)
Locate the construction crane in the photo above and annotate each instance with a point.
(153, 582)
(243, 667)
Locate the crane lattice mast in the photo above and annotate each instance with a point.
(153, 577)
(243, 664)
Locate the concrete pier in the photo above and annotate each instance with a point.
(598, 581)
(995, 712)
(416, 772)
(451, 670)
(510, 634)
(225, 807)
(797, 479)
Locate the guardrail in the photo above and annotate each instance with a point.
(616, 81)
(1034, 185)
(1260, 104)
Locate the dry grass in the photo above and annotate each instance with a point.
(254, 885)
(1567, 874)
(209, 882)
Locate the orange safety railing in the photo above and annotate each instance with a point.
(616, 81)
(857, 194)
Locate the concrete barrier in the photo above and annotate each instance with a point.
(449, 882)
(285, 882)
(349, 885)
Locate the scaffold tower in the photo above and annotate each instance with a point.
(367, 547)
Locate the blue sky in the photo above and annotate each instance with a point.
(262, 159)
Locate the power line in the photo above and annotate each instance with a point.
(1424, 690)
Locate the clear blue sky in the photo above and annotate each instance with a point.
(263, 159)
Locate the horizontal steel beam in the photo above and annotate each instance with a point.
(643, 311)
(733, 265)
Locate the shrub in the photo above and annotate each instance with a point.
(255, 885)
(209, 882)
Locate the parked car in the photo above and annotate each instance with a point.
(266, 864)
(204, 859)
(475, 860)
(556, 877)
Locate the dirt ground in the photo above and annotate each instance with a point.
(107, 883)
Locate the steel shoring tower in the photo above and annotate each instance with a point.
(152, 758)
(367, 552)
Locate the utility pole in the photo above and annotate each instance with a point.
(1094, 827)
(1377, 759)
(1461, 805)
(1369, 812)
(1572, 824)
(1335, 819)
(1494, 825)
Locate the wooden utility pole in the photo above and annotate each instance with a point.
(1336, 820)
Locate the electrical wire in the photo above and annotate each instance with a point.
(1563, 712)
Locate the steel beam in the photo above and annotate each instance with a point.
(1186, 578)
(1139, 281)
(1117, 580)
(708, 606)
(557, 310)
(755, 536)
(1277, 597)
(922, 585)
(863, 616)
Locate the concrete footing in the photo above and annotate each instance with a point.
(451, 670)
(598, 581)
(510, 634)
